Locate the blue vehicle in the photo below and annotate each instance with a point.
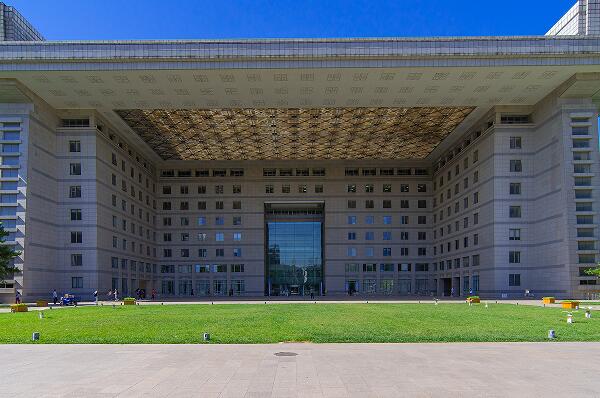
(69, 299)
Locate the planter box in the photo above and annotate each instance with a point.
(41, 303)
(548, 300)
(19, 308)
(570, 304)
(129, 301)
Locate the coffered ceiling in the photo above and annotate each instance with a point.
(294, 133)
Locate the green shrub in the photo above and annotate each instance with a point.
(472, 297)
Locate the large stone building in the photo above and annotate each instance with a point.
(422, 166)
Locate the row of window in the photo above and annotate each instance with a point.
(385, 252)
(202, 268)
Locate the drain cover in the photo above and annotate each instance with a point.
(285, 354)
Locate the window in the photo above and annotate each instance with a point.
(516, 166)
(351, 188)
(351, 204)
(202, 189)
(77, 282)
(369, 252)
(302, 188)
(219, 236)
(219, 252)
(74, 146)
(219, 220)
(387, 251)
(269, 189)
(515, 188)
(387, 204)
(352, 252)
(285, 188)
(421, 187)
(318, 188)
(369, 235)
(515, 142)
(387, 187)
(237, 252)
(387, 235)
(369, 220)
(75, 214)
(422, 204)
(236, 189)
(76, 237)
(514, 234)
(75, 191)
(422, 220)
(351, 220)
(514, 211)
(404, 188)
(76, 260)
(475, 258)
(75, 169)
(514, 279)
(369, 204)
(351, 235)
(369, 188)
(514, 257)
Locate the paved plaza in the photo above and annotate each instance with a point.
(302, 370)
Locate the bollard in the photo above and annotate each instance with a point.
(206, 336)
(35, 336)
(588, 314)
(486, 304)
(40, 315)
(570, 318)
(551, 334)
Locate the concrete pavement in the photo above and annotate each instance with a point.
(302, 370)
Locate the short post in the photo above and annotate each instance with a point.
(40, 315)
(206, 336)
(588, 314)
(551, 334)
(570, 318)
(35, 336)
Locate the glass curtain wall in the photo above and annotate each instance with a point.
(294, 256)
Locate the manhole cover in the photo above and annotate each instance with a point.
(285, 354)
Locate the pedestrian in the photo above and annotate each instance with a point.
(18, 298)
(54, 297)
(452, 292)
(116, 295)
(312, 294)
(192, 292)
(96, 296)
(153, 294)
(470, 291)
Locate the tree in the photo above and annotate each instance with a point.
(7, 253)
(594, 271)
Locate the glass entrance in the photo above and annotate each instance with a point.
(294, 255)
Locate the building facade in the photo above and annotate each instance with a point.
(294, 167)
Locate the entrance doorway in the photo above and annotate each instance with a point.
(294, 248)
(446, 286)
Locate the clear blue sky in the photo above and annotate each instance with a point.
(200, 19)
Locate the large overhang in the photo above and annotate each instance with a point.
(294, 133)
(191, 79)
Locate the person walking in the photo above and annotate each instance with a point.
(312, 294)
(54, 297)
(96, 296)
(153, 294)
(18, 298)
(116, 295)
(452, 292)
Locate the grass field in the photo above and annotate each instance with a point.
(318, 323)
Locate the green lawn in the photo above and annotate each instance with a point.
(318, 323)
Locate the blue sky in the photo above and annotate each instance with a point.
(186, 19)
